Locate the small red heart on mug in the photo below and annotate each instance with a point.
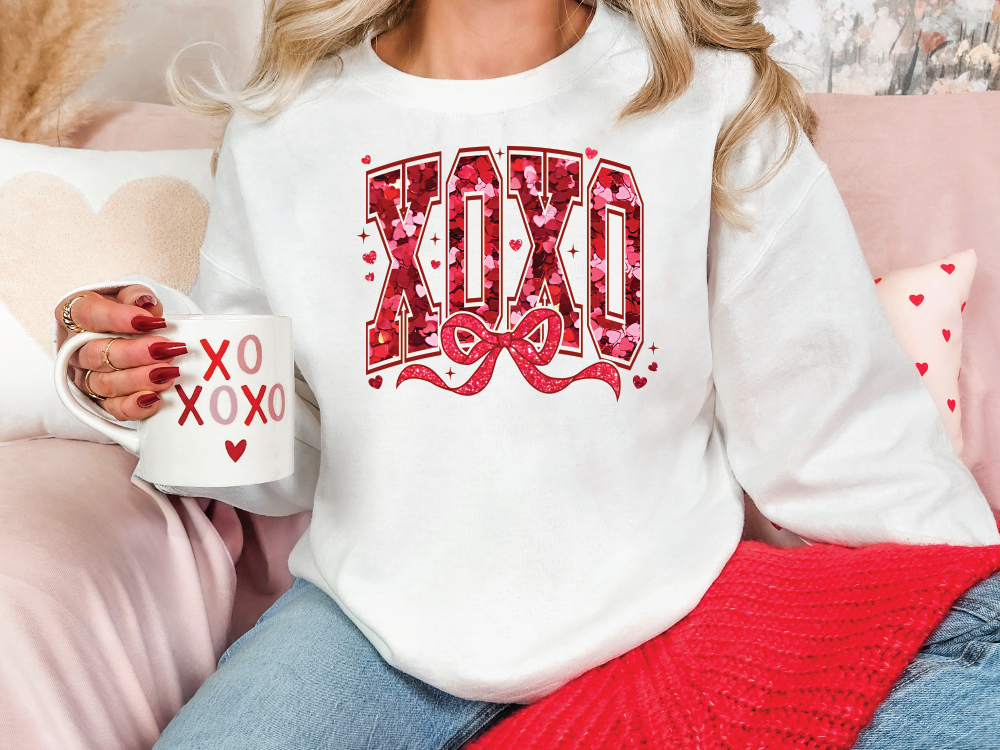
(515, 245)
(878, 279)
(946, 333)
(369, 258)
(591, 153)
(639, 382)
(951, 404)
(369, 276)
(366, 159)
(235, 451)
(916, 299)
(922, 366)
(948, 267)
(653, 366)
(375, 382)
(435, 264)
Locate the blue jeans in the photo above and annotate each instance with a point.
(949, 696)
(305, 678)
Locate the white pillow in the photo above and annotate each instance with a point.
(69, 218)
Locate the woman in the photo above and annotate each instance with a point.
(539, 410)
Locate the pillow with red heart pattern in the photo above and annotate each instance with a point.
(924, 305)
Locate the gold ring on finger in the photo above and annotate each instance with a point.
(67, 315)
(106, 358)
(89, 390)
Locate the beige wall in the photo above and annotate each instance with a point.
(845, 46)
(152, 31)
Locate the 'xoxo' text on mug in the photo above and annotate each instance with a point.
(275, 393)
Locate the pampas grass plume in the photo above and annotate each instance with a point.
(48, 48)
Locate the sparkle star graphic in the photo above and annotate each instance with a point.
(449, 373)
(654, 347)
(500, 154)
(573, 251)
(435, 239)
(364, 236)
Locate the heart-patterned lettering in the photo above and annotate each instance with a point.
(916, 299)
(515, 245)
(369, 276)
(366, 159)
(922, 367)
(591, 153)
(946, 333)
(375, 382)
(56, 242)
(435, 264)
(639, 382)
(948, 268)
(653, 366)
(951, 404)
(235, 451)
(369, 258)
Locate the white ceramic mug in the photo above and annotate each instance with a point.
(227, 420)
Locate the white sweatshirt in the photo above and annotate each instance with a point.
(499, 515)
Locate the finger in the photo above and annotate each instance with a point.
(125, 354)
(94, 312)
(136, 406)
(137, 295)
(127, 382)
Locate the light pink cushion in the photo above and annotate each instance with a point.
(133, 126)
(919, 177)
(924, 304)
(114, 604)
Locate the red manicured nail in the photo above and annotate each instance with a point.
(162, 374)
(167, 350)
(147, 399)
(145, 302)
(145, 323)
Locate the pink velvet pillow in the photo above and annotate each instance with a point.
(918, 176)
(924, 304)
(135, 126)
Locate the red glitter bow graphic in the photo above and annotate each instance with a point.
(524, 354)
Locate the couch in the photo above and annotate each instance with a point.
(115, 603)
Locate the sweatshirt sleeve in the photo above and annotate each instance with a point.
(826, 422)
(228, 283)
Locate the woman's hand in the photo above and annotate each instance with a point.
(125, 375)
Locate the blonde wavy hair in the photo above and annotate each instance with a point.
(297, 34)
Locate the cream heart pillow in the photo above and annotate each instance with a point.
(924, 305)
(69, 218)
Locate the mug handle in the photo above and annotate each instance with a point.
(126, 438)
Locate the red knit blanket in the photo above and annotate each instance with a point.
(787, 649)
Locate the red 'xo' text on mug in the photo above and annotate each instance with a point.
(223, 397)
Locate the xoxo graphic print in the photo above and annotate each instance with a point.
(541, 316)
